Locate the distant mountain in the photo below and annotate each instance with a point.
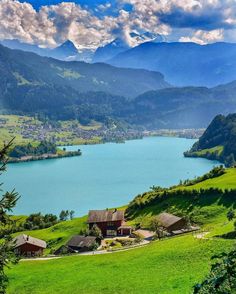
(183, 64)
(16, 44)
(31, 83)
(66, 51)
(103, 54)
(68, 90)
(218, 141)
(187, 107)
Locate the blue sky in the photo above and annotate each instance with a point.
(91, 23)
(89, 3)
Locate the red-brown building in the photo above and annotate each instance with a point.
(28, 246)
(110, 222)
(171, 222)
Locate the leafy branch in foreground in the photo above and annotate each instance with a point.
(7, 203)
(222, 278)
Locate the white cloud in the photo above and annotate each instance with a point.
(204, 37)
(52, 25)
(206, 21)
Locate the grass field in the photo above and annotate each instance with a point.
(173, 265)
(226, 181)
(169, 266)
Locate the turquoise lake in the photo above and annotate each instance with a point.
(106, 175)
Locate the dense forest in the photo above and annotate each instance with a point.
(218, 141)
(60, 90)
(30, 150)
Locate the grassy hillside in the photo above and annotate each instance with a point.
(162, 267)
(218, 141)
(205, 202)
(58, 234)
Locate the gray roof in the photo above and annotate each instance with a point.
(167, 219)
(25, 239)
(81, 241)
(96, 216)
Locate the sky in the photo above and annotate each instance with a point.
(92, 23)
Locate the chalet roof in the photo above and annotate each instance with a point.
(167, 219)
(81, 241)
(25, 239)
(96, 216)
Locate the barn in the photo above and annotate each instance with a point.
(171, 222)
(25, 245)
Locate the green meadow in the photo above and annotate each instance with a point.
(172, 265)
(169, 266)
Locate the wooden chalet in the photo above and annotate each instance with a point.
(28, 246)
(110, 222)
(171, 222)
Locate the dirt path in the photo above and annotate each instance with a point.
(202, 236)
(144, 243)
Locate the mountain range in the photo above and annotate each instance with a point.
(66, 51)
(119, 45)
(183, 64)
(76, 90)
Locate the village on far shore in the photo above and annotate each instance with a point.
(107, 231)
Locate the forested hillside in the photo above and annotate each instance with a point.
(26, 73)
(183, 107)
(218, 141)
(32, 84)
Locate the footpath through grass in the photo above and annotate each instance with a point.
(169, 266)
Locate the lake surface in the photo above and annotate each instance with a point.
(106, 175)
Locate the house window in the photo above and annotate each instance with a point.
(110, 224)
(111, 233)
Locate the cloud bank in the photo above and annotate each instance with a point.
(201, 21)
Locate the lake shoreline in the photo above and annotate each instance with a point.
(44, 157)
(107, 175)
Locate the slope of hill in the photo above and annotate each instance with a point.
(76, 90)
(218, 141)
(183, 107)
(184, 64)
(31, 83)
(27, 70)
(142, 269)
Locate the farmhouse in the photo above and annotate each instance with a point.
(28, 246)
(171, 222)
(110, 222)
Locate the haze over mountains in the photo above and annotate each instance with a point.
(142, 98)
(184, 64)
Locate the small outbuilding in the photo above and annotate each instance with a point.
(78, 244)
(82, 243)
(172, 222)
(28, 246)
